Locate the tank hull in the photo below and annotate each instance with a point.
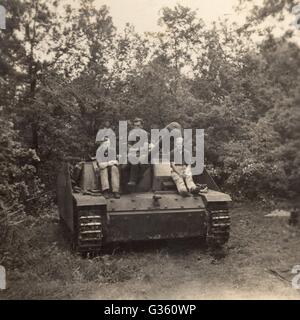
(94, 221)
(156, 225)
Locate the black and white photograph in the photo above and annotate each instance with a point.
(150, 150)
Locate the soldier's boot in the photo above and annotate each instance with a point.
(117, 195)
(105, 194)
(195, 190)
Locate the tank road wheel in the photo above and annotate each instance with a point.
(218, 227)
(90, 235)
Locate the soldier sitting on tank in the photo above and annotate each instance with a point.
(181, 172)
(108, 167)
(136, 170)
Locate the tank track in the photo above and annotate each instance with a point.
(90, 234)
(218, 230)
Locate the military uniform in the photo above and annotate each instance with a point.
(182, 175)
(137, 170)
(106, 169)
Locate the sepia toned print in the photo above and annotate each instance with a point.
(149, 150)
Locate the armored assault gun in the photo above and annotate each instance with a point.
(154, 211)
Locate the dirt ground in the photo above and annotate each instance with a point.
(256, 265)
